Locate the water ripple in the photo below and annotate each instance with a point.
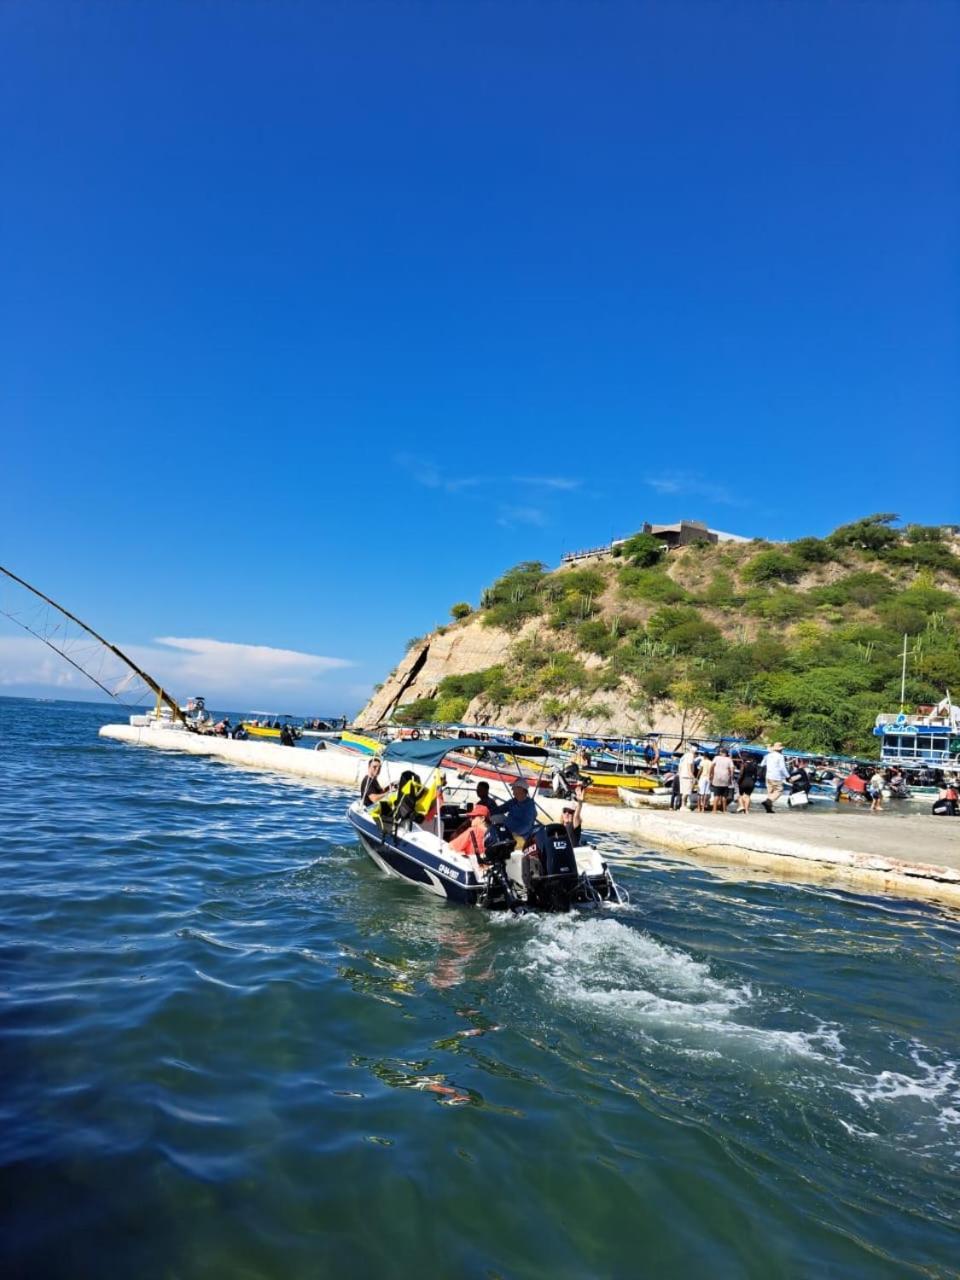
(231, 1047)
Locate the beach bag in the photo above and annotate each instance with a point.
(798, 800)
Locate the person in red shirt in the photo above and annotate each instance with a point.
(471, 841)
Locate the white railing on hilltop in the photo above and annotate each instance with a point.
(569, 557)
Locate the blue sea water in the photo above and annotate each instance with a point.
(231, 1048)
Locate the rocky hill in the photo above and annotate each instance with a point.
(799, 640)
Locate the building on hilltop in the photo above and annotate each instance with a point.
(681, 534)
(684, 532)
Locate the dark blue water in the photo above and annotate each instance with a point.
(230, 1048)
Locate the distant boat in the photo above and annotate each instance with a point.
(266, 725)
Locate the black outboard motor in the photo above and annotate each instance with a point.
(550, 871)
(498, 892)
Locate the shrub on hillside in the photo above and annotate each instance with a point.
(903, 618)
(862, 588)
(596, 637)
(642, 550)
(656, 682)
(460, 610)
(466, 686)
(782, 605)
(450, 710)
(923, 533)
(649, 584)
(498, 690)
(925, 555)
(695, 637)
(811, 550)
(773, 566)
(515, 596)
(423, 710)
(720, 593)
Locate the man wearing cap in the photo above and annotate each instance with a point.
(472, 840)
(519, 813)
(775, 771)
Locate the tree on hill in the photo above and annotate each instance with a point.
(871, 533)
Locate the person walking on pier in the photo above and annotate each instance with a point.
(721, 779)
(746, 783)
(775, 772)
(875, 790)
(686, 776)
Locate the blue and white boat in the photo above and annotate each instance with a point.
(546, 874)
(929, 739)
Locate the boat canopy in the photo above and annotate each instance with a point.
(430, 751)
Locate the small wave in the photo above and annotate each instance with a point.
(628, 977)
(934, 1090)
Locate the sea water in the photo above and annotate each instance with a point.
(232, 1048)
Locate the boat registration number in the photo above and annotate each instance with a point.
(449, 872)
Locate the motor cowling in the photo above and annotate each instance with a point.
(550, 873)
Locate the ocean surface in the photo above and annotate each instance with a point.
(229, 1047)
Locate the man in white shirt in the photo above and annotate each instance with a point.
(776, 774)
(687, 776)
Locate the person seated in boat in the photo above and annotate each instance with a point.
(519, 813)
(471, 842)
(240, 732)
(573, 818)
(370, 786)
(483, 795)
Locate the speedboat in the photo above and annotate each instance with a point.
(546, 874)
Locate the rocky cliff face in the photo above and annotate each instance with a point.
(458, 650)
(471, 646)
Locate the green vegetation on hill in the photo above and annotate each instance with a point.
(799, 640)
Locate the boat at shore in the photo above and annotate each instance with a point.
(546, 873)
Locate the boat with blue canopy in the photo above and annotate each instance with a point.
(408, 834)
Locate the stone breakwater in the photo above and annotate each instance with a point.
(857, 849)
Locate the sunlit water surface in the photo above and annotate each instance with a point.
(231, 1048)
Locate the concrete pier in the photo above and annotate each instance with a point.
(907, 854)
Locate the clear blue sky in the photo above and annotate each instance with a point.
(316, 317)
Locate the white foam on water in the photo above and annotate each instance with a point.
(934, 1085)
(626, 976)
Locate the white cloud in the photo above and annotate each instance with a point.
(687, 483)
(223, 671)
(510, 517)
(431, 477)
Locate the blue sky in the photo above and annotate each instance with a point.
(317, 317)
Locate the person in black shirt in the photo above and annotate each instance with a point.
(370, 788)
(746, 781)
(572, 819)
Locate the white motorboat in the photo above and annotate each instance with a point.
(546, 874)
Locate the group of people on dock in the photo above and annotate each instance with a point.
(712, 785)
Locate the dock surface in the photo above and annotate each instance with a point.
(908, 854)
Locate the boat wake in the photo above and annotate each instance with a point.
(627, 979)
(662, 1003)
